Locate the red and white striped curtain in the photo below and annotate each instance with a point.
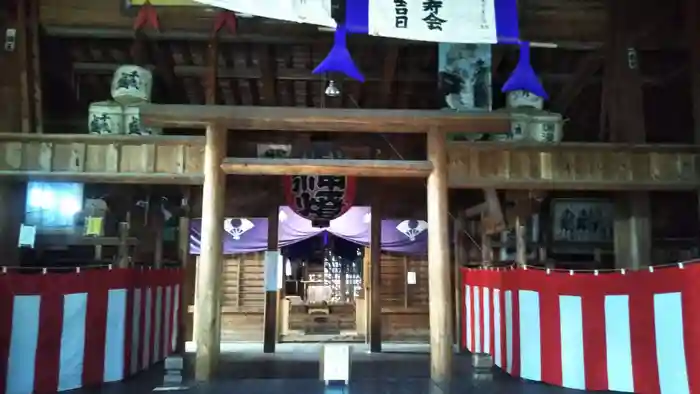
(68, 330)
(631, 332)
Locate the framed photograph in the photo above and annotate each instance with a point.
(464, 76)
(582, 220)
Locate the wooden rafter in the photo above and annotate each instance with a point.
(587, 67)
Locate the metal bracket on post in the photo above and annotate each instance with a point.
(173, 381)
(482, 366)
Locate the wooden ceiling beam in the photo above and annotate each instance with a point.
(290, 74)
(323, 119)
(286, 33)
(360, 168)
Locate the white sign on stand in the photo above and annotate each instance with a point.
(335, 363)
(274, 270)
(27, 236)
(411, 278)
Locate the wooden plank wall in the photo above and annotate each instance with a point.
(404, 306)
(243, 298)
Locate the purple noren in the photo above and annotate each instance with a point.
(339, 59)
(524, 77)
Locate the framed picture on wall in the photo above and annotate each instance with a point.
(582, 220)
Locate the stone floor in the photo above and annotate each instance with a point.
(399, 369)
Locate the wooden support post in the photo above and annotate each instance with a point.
(25, 74)
(632, 230)
(440, 299)
(406, 287)
(37, 95)
(158, 247)
(123, 259)
(520, 241)
(271, 282)
(375, 302)
(186, 288)
(486, 247)
(625, 110)
(459, 245)
(207, 312)
(692, 28)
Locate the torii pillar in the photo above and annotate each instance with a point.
(207, 304)
(439, 284)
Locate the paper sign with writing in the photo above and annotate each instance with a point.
(460, 21)
(467, 21)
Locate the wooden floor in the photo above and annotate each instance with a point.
(401, 369)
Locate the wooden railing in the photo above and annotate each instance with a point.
(100, 158)
(573, 166)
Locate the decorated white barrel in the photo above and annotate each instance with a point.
(523, 99)
(519, 126)
(133, 124)
(132, 85)
(105, 117)
(546, 127)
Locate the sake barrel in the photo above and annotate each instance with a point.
(132, 85)
(500, 137)
(547, 127)
(519, 126)
(523, 99)
(105, 117)
(133, 124)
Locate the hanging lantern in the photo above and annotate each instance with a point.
(320, 198)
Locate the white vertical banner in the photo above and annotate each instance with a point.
(280, 270)
(273, 270)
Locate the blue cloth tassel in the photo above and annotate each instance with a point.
(339, 59)
(524, 77)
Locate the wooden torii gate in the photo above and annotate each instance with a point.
(219, 119)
